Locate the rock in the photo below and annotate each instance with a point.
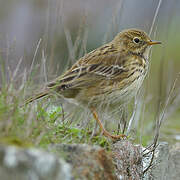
(166, 164)
(160, 163)
(125, 161)
(128, 160)
(31, 164)
(93, 162)
(174, 162)
(88, 162)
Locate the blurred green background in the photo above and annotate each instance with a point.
(53, 34)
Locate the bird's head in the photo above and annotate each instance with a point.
(134, 40)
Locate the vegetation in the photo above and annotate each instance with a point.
(35, 125)
(40, 123)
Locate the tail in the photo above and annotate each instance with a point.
(35, 97)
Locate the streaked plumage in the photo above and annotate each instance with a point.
(110, 74)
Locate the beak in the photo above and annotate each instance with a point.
(153, 42)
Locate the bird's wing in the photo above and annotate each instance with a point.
(89, 71)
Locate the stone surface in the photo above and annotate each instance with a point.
(88, 162)
(160, 162)
(166, 164)
(128, 160)
(125, 161)
(31, 164)
(174, 162)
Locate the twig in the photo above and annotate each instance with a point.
(158, 124)
(44, 66)
(150, 151)
(63, 116)
(155, 17)
(168, 99)
(34, 57)
(17, 68)
(152, 158)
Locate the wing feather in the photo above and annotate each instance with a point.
(86, 73)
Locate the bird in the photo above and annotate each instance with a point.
(108, 76)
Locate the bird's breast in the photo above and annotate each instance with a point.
(127, 88)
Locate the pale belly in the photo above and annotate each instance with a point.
(123, 96)
(114, 99)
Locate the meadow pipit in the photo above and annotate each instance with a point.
(108, 76)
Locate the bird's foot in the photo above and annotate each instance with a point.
(114, 137)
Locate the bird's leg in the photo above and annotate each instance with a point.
(105, 133)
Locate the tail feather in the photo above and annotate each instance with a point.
(35, 97)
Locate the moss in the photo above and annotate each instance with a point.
(15, 142)
(38, 125)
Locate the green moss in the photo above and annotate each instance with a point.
(39, 126)
(15, 142)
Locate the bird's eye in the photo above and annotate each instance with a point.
(136, 40)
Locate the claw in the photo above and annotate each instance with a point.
(106, 133)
